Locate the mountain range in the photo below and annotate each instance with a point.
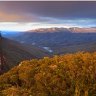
(57, 40)
(71, 29)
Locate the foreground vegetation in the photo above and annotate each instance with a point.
(65, 75)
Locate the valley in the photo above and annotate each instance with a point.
(16, 52)
(57, 40)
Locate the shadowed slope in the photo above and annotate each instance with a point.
(16, 52)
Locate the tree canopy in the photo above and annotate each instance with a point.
(64, 75)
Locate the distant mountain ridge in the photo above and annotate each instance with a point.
(54, 29)
(71, 29)
(83, 30)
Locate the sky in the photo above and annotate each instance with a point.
(27, 15)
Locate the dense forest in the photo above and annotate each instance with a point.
(64, 75)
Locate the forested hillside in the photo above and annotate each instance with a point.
(64, 75)
(15, 52)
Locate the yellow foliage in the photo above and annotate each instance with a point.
(64, 75)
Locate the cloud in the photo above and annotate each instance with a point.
(14, 17)
(9, 17)
(55, 9)
(49, 13)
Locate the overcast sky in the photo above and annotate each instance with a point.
(26, 15)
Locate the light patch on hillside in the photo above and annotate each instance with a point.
(48, 49)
